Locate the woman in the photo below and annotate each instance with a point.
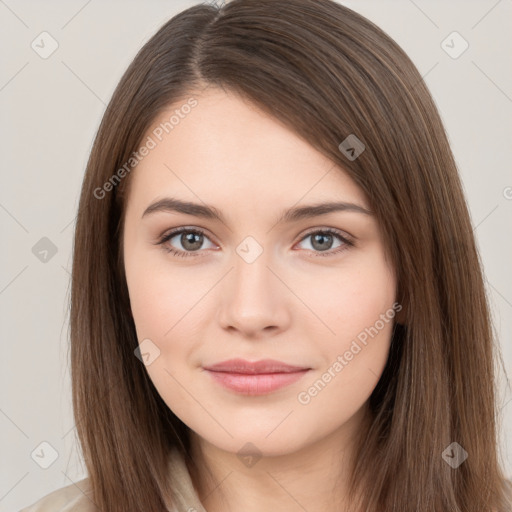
(276, 296)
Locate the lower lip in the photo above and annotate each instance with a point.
(259, 384)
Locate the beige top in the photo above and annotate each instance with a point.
(78, 497)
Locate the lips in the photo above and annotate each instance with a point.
(265, 366)
(255, 378)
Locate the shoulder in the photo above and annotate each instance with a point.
(76, 497)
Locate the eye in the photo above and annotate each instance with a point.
(191, 241)
(322, 242)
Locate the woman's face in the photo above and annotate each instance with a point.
(256, 275)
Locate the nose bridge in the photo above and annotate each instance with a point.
(252, 297)
(251, 278)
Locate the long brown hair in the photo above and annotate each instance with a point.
(327, 72)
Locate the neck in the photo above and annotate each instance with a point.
(313, 477)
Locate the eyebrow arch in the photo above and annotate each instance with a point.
(170, 204)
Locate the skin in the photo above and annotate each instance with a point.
(291, 304)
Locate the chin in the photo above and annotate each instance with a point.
(251, 441)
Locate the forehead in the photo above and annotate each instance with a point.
(224, 150)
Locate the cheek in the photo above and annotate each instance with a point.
(353, 359)
(164, 303)
(161, 297)
(351, 300)
(359, 309)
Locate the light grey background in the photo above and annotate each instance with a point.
(51, 109)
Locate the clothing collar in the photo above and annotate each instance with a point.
(183, 491)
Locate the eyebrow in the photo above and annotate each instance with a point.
(171, 205)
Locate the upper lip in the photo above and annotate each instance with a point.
(254, 367)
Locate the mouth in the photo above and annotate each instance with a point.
(255, 378)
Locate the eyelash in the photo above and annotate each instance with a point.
(347, 243)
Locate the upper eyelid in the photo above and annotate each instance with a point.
(184, 229)
(336, 231)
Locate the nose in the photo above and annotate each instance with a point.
(254, 301)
